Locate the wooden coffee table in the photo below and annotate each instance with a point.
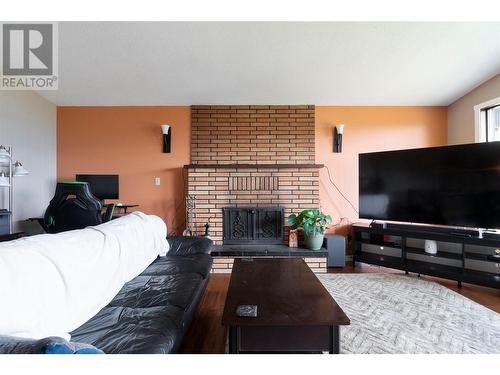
(295, 313)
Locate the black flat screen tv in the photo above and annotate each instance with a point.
(102, 186)
(450, 185)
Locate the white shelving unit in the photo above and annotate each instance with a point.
(9, 170)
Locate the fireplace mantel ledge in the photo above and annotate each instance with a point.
(253, 166)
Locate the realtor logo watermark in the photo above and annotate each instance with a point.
(29, 59)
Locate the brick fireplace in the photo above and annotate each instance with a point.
(250, 156)
(247, 155)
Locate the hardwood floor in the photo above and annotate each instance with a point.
(207, 335)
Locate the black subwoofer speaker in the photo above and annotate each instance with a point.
(335, 245)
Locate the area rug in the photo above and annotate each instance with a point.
(404, 314)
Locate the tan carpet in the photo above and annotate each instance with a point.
(404, 314)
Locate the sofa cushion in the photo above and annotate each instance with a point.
(133, 330)
(149, 291)
(152, 312)
(172, 265)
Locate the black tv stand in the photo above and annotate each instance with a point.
(461, 254)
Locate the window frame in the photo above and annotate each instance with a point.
(481, 119)
(487, 117)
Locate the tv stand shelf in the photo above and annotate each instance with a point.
(439, 254)
(459, 257)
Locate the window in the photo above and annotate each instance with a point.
(491, 122)
(487, 121)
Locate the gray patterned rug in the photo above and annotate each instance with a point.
(403, 314)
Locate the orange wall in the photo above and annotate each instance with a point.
(368, 129)
(128, 141)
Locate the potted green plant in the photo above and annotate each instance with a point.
(313, 224)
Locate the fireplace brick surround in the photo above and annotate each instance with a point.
(210, 187)
(251, 155)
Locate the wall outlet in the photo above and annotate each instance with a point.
(157, 181)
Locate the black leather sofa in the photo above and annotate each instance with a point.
(152, 313)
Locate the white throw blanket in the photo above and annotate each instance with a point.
(51, 284)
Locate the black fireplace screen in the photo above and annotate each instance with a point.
(253, 225)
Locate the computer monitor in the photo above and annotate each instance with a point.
(102, 186)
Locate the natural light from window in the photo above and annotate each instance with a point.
(492, 123)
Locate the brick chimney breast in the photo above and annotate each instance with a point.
(251, 155)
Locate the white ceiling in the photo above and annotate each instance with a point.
(165, 63)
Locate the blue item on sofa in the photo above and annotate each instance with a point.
(48, 345)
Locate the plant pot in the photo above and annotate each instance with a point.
(314, 241)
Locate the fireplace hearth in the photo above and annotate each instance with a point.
(253, 225)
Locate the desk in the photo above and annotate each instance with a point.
(125, 207)
(40, 221)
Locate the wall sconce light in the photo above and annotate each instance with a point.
(339, 131)
(167, 137)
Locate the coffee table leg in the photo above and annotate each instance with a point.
(334, 340)
(233, 340)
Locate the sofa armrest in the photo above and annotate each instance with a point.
(189, 245)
